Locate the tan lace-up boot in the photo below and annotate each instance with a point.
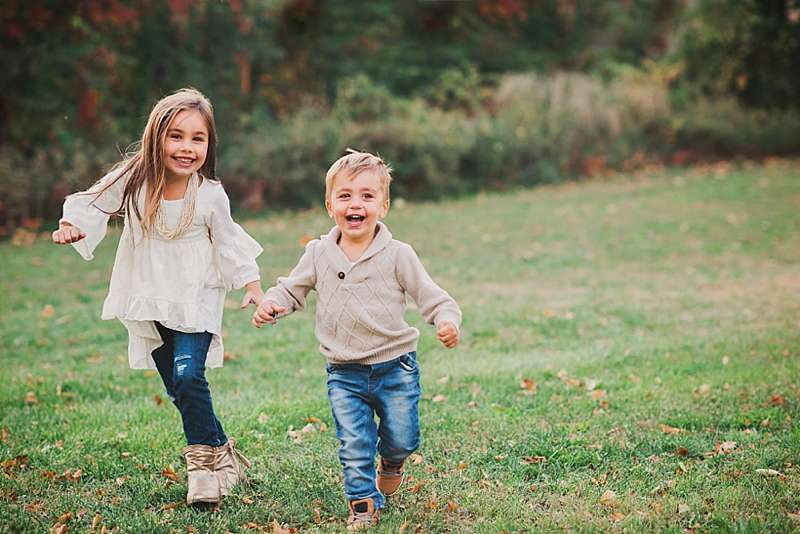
(390, 477)
(362, 515)
(230, 465)
(203, 482)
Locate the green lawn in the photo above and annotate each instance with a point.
(629, 362)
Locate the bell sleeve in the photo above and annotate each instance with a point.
(90, 210)
(234, 249)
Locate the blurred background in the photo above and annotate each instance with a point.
(457, 96)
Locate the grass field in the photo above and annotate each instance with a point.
(629, 362)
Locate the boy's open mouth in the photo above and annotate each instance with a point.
(355, 218)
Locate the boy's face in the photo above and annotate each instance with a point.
(356, 204)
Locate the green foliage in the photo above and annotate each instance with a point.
(746, 48)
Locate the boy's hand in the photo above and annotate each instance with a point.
(67, 233)
(252, 294)
(266, 312)
(448, 334)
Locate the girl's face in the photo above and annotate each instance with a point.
(356, 204)
(185, 145)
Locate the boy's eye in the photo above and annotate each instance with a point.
(199, 139)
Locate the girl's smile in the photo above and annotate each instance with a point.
(185, 145)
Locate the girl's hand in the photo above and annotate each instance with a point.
(266, 312)
(67, 233)
(447, 334)
(252, 294)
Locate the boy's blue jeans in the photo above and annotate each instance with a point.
(181, 362)
(358, 392)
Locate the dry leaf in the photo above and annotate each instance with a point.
(416, 458)
(121, 480)
(403, 526)
(158, 400)
(727, 447)
(725, 360)
(598, 394)
(530, 460)
(462, 465)
(443, 380)
(247, 500)
(770, 473)
(591, 383)
(683, 508)
(48, 311)
(682, 451)
(608, 498)
(311, 419)
(616, 516)
(666, 429)
(169, 472)
(417, 486)
(439, 398)
(30, 398)
(263, 418)
(703, 389)
(795, 516)
(528, 385)
(96, 521)
(317, 516)
(4, 435)
(777, 400)
(452, 507)
(277, 528)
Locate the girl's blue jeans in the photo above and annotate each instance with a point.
(181, 362)
(357, 393)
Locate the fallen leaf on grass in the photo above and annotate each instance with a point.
(158, 400)
(263, 418)
(795, 516)
(247, 500)
(30, 398)
(439, 398)
(48, 311)
(597, 394)
(96, 521)
(703, 389)
(462, 465)
(528, 386)
(591, 383)
(417, 487)
(683, 508)
(72, 476)
(443, 380)
(169, 472)
(725, 360)
(616, 516)
(666, 429)
(771, 473)
(777, 400)
(608, 498)
(317, 516)
(682, 451)
(416, 458)
(403, 526)
(4, 435)
(452, 507)
(530, 460)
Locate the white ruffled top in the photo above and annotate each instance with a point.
(181, 282)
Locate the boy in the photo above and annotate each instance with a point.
(362, 277)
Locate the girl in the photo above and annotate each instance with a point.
(180, 251)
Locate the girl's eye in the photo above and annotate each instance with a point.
(174, 136)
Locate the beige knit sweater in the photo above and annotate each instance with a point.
(360, 305)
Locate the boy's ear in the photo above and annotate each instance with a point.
(328, 207)
(385, 208)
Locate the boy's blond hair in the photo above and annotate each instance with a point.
(354, 163)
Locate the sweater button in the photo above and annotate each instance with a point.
(341, 275)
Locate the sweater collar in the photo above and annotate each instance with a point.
(330, 241)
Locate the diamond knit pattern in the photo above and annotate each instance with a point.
(360, 306)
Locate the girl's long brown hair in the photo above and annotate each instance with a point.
(144, 164)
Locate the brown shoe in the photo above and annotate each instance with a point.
(390, 477)
(362, 515)
(203, 481)
(230, 465)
